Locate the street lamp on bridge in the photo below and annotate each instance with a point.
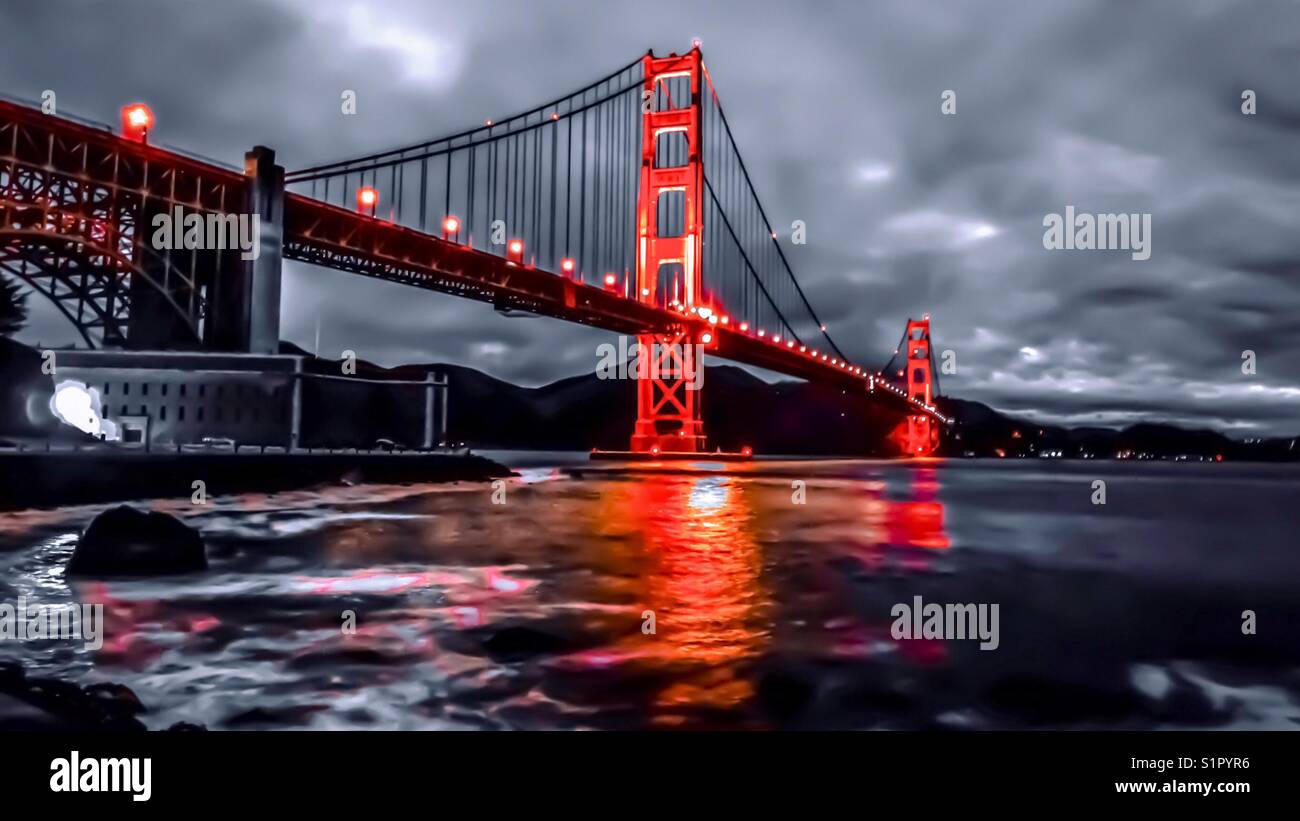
(137, 120)
(451, 228)
(367, 200)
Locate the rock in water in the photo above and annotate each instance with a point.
(128, 542)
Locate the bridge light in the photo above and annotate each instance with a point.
(803, 349)
(645, 292)
(790, 344)
(776, 339)
(610, 281)
(487, 123)
(515, 251)
(367, 199)
(137, 121)
(706, 337)
(555, 115)
(726, 320)
(567, 265)
(744, 326)
(746, 451)
(704, 313)
(654, 450)
(823, 327)
(761, 333)
(450, 227)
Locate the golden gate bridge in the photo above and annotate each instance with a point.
(625, 205)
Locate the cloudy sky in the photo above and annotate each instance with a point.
(1128, 107)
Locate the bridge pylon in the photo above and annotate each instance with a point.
(922, 435)
(668, 392)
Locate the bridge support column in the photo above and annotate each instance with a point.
(922, 437)
(668, 388)
(265, 203)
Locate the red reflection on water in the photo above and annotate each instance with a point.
(702, 581)
(918, 522)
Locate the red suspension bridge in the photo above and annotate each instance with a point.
(625, 205)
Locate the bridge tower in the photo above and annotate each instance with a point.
(668, 395)
(922, 437)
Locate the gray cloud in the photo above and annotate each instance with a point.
(1109, 107)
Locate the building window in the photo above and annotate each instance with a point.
(106, 384)
(218, 413)
(203, 389)
(126, 388)
(182, 389)
(124, 412)
(200, 413)
(164, 389)
(162, 414)
(144, 389)
(180, 412)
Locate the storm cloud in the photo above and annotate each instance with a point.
(1109, 107)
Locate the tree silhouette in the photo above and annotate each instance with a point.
(13, 307)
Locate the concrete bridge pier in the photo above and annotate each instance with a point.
(266, 204)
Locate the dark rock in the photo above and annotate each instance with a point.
(186, 727)
(517, 643)
(117, 696)
(17, 715)
(50, 704)
(128, 542)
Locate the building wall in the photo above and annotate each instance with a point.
(186, 397)
(184, 407)
(180, 398)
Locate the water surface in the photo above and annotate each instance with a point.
(767, 613)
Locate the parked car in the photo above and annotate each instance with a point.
(211, 443)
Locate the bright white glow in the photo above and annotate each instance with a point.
(78, 406)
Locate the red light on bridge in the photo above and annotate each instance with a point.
(761, 333)
(744, 326)
(610, 281)
(137, 121)
(450, 227)
(746, 451)
(567, 265)
(367, 199)
(706, 337)
(515, 251)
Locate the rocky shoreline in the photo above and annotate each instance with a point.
(45, 704)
